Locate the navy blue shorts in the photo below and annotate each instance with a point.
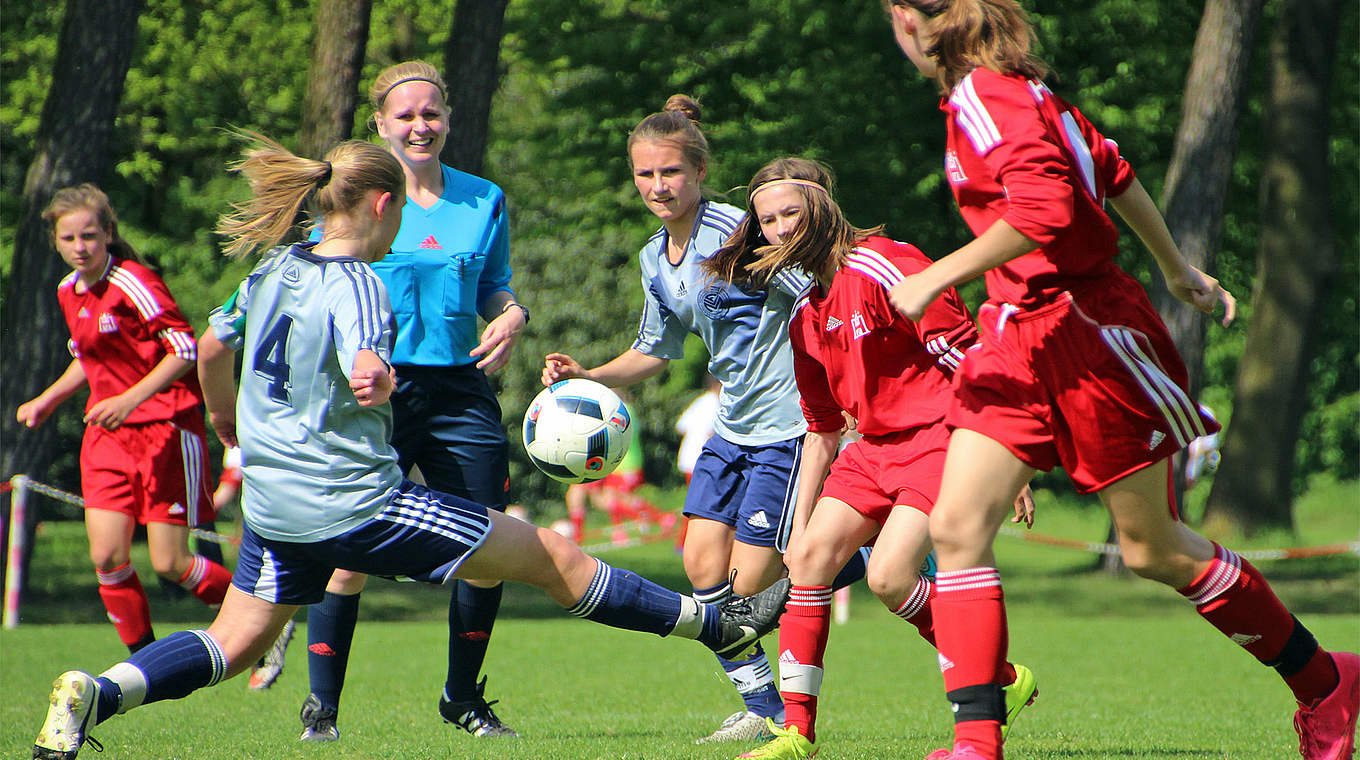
(751, 488)
(421, 535)
(447, 421)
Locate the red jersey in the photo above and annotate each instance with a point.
(121, 328)
(1018, 152)
(853, 351)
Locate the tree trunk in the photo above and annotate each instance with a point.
(76, 126)
(1197, 179)
(1296, 263)
(333, 77)
(471, 69)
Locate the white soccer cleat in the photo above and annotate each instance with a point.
(270, 667)
(69, 713)
(739, 726)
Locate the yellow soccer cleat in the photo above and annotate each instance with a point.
(788, 744)
(1019, 695)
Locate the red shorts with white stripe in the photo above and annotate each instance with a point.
(150, 471)
(1091, 382)
(875, 474)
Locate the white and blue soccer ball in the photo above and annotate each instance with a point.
(577, 430)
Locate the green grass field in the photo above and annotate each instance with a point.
(1126, 669)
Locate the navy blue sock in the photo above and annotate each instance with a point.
(751, 677)
(472, 615)
(855, 569)
(169, 668)
(624, 599)
(330, 631)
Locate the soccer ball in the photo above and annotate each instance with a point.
(577, 431)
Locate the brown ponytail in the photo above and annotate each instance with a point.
(993, 34)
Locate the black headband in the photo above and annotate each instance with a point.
(395, 84)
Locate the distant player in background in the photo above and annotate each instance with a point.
(1074, 368)
(742, 490)
(854, 357)
(323, 489)
(143, 460)
(450, 264)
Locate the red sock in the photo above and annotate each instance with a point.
(916, 610)
(970, 627)
(803, 630)
(206, 580)
(125, 600)
(1237, 600)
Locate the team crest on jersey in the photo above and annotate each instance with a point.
(954, 169)
(714, 301)
(107, 324)
(291, 275)
(431, 244)
(859, 325)
(832, 323)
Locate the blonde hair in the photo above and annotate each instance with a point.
(818, 246)
(89, 197)
(281, 182)
(677, 122)
(401, 73)
(993, 34)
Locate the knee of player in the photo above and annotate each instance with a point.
(891, 588)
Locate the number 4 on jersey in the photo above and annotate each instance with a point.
(271, 359)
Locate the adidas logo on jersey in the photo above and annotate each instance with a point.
(176, 509)
(681, 291)
(860, 326)
(430, 243)
(832, 323)
(84, 313)
(758, 520)
(107, 324)
(1156, 439)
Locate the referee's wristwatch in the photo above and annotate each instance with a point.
(522, 309)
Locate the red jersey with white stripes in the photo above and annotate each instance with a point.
(853, 351)
(121, 328)
(1018, 152)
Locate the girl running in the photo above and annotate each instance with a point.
(853, 354)
(143, 460)
(1074, 368)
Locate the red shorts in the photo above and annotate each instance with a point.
(875, 474)
(150, 471)
(1091, 382)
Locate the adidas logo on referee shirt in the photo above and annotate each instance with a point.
(430, 243)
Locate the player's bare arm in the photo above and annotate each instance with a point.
(36, 411)
(217, 375)
(630, 367)
(999, 244)
(109, 413)
(819, 449)
(1184, 281)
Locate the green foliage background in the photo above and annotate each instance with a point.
(775, 77)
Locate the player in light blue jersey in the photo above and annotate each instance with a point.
(449, 265)
(323, 487)
(740, 498)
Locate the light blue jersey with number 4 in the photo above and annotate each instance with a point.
(316, 464)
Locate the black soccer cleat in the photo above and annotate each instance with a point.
(318, 722)
(475, 715)
(744, 619)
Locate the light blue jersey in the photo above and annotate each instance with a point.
(747, 333)
(316, 464)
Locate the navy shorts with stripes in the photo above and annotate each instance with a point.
(421, 535)
(751, 488)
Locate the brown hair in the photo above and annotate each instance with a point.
(400, 73)
(281, 182)
(677, 122)
(90, 197)
(993, 34)
(818, 246)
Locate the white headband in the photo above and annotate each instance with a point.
(750, 198)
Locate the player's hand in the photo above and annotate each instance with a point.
(372, 386)
(1024, 507)
(111, 412)
(224, 425)
(33, 413)
(497, 340)
(1202, 292)
(557, 367)
(912, 295)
